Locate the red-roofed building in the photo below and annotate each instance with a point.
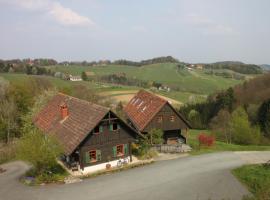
(146, 111)
(92, 135)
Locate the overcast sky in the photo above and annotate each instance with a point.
(190, 30)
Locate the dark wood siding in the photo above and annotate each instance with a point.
(106, 140)
(166, 112)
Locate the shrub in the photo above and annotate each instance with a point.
(155, 136)
(206, 140)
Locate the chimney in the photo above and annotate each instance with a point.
(64, 111)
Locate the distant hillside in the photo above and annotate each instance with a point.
(265, 67)
(236, 66)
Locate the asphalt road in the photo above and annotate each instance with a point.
(196, 177)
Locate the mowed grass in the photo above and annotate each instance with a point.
(257, 179)
(218, 146)
(167, 73)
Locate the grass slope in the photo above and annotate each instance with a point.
(219, 146)
(167, 73)
(257, 179)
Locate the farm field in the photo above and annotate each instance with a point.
(166, 73)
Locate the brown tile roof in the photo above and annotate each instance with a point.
(83, 117)
(143, 107)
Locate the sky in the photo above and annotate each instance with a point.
(191, 30)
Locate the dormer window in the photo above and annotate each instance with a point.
(114, 127)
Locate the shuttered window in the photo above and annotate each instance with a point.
(98, 129)
(114, 127)
(92, 156)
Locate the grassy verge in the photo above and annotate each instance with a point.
(56, 175)
(219, 146)
(257, 179)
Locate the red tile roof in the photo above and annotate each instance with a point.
(143, 107)
(83, 116)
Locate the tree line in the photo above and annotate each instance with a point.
(237, 115)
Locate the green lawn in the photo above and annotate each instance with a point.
(257, 179)
(219, 146)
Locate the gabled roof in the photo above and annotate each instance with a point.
(71, 131)
(143, 107)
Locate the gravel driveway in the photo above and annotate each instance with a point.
(196, 177)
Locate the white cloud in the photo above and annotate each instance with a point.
(209, 26)
(54, 9)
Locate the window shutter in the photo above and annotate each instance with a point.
(114, 151)
(87, 157)
(118, 126)
(111, 127)
(98, 155)
(126, 149)
(100, 128)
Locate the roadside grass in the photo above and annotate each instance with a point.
(257, 179)
(218, 146)
(56, 175)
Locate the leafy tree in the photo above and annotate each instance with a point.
(195, 118)
(84, 76)
(40, 150)
(220, 125)
(242, 132)
(155, 136)
(264, 117)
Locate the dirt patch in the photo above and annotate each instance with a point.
(126, 95)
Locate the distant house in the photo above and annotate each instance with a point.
(146, 111)
(75, 78)
(92, 135)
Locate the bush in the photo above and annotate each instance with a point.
(155, 136)
(206, 140)
(242, 132)
(39, 150)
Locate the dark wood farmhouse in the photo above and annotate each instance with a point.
(91, 135)
(146, 111)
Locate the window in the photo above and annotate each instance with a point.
(120, 150)
(160, 119)
(114, 127)
(172, 118)
(92, 156)
(98, 129)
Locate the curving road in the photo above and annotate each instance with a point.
(196, 177)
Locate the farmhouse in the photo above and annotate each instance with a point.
(92, 136)
(75, 78)
(146, 111)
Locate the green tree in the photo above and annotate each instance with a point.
(195, 118)
(220, 125)
(40, 150)
(264, 117)
(84, 76)
(242, 132)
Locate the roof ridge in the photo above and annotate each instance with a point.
(82, 100)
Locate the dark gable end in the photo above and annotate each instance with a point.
(79, 120)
